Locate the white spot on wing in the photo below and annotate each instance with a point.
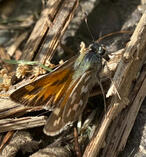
(84, 89)
(68, 114)
(81, 102)
(56, 122)
(73, 98)
(56, 111)
(75, 107)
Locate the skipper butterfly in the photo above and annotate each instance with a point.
(66, 89)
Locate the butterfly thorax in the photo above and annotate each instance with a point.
(91, 60)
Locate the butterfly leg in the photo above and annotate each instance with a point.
(103, 93)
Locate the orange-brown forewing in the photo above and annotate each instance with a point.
(47, 90)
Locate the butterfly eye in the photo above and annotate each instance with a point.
(101, 50)
(96, 47)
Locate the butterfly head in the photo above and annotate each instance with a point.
(97, 48)
(90, 60)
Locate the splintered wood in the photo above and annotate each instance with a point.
(127, 72)
(21, 123)
(49, 30)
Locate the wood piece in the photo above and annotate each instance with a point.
(11, 50)
(9, 108)
(40, 29)
(57, 30)
(6, 103)
(128, 68)
(126, 120)
(3, 56)
(11, 112)
(76, 143)
(21, 141)
(6, 139)
(48, 27)
(51, 151)
(21, 123)
(27, 22)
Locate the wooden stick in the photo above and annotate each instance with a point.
(21, 123)
(126, 120)
(40, 29)
(76, 143)
(53, 36)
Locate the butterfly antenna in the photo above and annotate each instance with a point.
(89, 30)
(86, 21)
